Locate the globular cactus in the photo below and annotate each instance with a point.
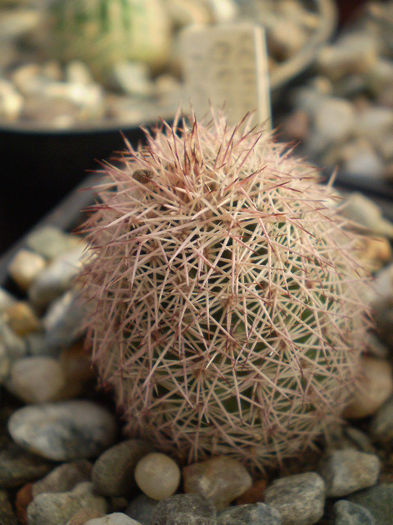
(224, 295)
(104, 32)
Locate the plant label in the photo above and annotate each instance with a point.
(226, 66)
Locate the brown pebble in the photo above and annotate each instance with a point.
(21, 318)
(25, 267)
(23, 498)
(221, 479)
(254, 494)
(376, 251)
(374, 388)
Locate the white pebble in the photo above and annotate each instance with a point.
(157, 475)
(36, 379)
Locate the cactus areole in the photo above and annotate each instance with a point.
(224, 295)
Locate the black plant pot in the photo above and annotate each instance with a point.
(40, 167)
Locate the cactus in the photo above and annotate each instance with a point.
(223, 295)
(104, 32)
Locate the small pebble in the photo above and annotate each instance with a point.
(348, 513)
(63, 431)
(50, 241)
(378, 500)
(62, 321)
(36, 345)
(180, 509)
(333, 119)
(299, 498)
(381, 425)
(83, 515)
(6, 300)
(18, 467)
(141, 509)
(255, 514)
(361, 160)
(25, 267)
(116, 518)
(21, 318)
(76, 72)
(346, 471)
(157, 475)
(63, 478)
(376, 252)
(374, 388)
(56, 278)
(113, 471)
(220, 479)
(36, 379)
(132, 78)
(58, 507)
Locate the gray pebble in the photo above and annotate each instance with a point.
(299, 498)
(116, 518)
(57, 508)
(220, 479)
(378, 501)
(381, 425)
(7, 515)
(141, 509)
(56, 278)
(179, 509)
(6, 300)
(63, 478)
(62, 321)
(346, 471)
(63, 431)
(361, 159)
(18, 467)
(255, 514)
(333, 120)
(113, 471)
(50, 241)
(348, 513)
(36, 345)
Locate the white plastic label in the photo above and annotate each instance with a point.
(225, 66)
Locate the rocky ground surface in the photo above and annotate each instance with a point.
(343, 115)
(65, 461)
(39, 89)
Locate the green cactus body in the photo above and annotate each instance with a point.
(224, 295)
(104, 32)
